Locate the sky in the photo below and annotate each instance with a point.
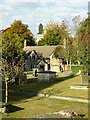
(34, 12)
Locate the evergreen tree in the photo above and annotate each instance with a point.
(40, 29)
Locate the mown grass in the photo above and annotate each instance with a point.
(60, 87)
(32, 105)
(41, 105)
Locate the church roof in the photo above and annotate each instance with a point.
(46, 51)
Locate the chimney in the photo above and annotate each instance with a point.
(25, 43)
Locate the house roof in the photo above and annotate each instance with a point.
(41, 62)
(46, 51)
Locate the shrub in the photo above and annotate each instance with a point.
(75, 69)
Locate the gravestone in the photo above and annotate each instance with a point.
(84, 82)
(84, 78)
(21, 79)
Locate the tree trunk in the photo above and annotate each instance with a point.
(70, 64)
(67, 61)
(6, 97)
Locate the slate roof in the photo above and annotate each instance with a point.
(46, 51)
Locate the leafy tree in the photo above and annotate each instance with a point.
(22, 30)
(40, 29)
(12, 50)
(71, 50)
(12, 60)
(54, 34)
(76, 23)
(60, 52)
(83, 36)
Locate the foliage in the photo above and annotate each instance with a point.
(12, 50)
(22, 30)
(71, 49)
(59, 52)
(12, 47)
(75, 69)
(7, 70)
(76, 22)
(40, 29)
(54, 34)
(12, 60)
(83, 37)
(68, 51)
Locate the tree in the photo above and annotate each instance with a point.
(12, 60)
(83, 36)
(40, 29)
(22, 30)
(12, 50)
(76, 22)
(54, 34)
(83, 51)
(60, 52)
(72, 49)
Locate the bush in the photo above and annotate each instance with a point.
(75, 69)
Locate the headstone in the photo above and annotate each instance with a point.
(2, 110)
(84, 78)
(21, 79)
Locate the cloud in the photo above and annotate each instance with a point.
(18, 1)
(33, 12)
(79, 1)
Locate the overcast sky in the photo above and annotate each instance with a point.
(33, 12)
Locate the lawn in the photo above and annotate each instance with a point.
(30, 106)
(60, 87)
(40, 105)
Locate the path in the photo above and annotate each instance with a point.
(65, 98)
(66, 73)
(51, 96)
